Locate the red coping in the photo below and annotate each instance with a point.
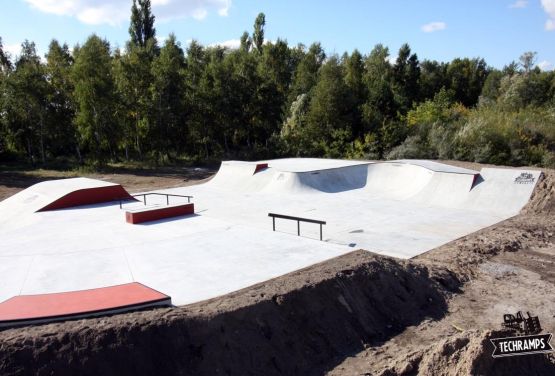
(152, 214)
(89, 196)
(67, 304)
(260, 167)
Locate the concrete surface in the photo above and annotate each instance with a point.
(399, 208)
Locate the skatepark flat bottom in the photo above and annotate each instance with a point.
(398, 208)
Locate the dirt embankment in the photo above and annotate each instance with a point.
(467, 354)
(504, 268)
(295, 324)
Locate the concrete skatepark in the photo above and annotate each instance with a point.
(399, 209)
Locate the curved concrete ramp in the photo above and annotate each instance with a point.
(428, 183)
(289, 176)
(60, 194)
(44, 308)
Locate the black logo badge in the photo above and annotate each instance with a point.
(528, 340)
(524, 178)
(522, 345)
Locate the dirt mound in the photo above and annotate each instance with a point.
(300, 323)
(543, 197)
(469, 354)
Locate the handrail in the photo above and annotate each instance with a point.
(168, 195)
(298, 219)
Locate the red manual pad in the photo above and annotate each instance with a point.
(75, 303)
(153, 214)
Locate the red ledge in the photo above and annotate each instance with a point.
(156, 213)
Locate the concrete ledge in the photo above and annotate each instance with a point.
(155, 213)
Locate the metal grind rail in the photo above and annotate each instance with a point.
(298, 219)
(168, 195)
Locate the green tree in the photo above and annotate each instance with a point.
(274, 72)
(466, 78)
(294, 127)
(194, 102)
(432, 78)
(246, 102)
(5, 68)
(167, 92)
(246, 42)
(95, 99)
(26, 104)
(141, 29)
(61, 109)
(329, 117)
(528, 61)
(133, 72)
(406, 76)
(354, 79)
(5, 63)
(490, 90)
(258, 34)
(306, 72)
(379, 107)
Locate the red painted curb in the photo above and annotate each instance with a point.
(152, 214)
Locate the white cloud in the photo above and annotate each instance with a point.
(549, 8)
(545, 65)
(13, 49)
(231, 44)
(116, 12)
(199, 14)
(434, 26)
(519, 4)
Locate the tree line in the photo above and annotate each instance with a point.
(94, 104)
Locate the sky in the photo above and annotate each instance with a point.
(497, 30)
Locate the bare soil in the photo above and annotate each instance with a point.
(134, 180)
(359, 314)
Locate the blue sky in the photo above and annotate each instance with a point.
(497, 30)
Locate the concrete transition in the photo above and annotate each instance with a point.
(398, 208)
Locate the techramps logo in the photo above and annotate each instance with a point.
(525, 178)
(529, 340)
(522, 345)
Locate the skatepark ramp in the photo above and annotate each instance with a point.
(396, 208)
(44, 308)
(426, 183)
(60, 194)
